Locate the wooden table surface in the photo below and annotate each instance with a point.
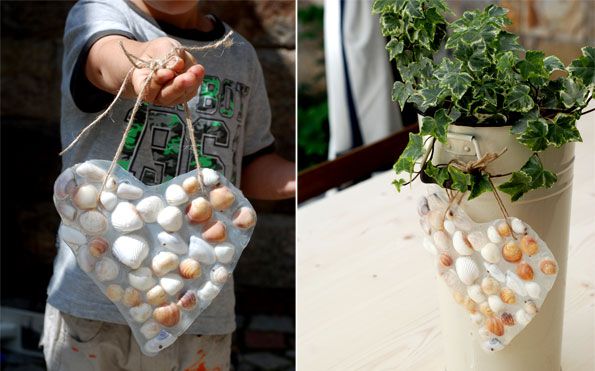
(366, 289)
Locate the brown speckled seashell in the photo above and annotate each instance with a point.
(244, 218)
(221, 198)
(485, 309)
(131, 297)
(156, 296)
(190, 269)
(199, 211)
(495, 326)
(191, 185)
(507, 319)
(188, 300)
(529, 245)
(504, 230)
(507, 295)
(445, 260)
(548, 266)
(511, 252)
(167, 315)
(98, 246)
(524, 271)
(470, 305)
(214, 231)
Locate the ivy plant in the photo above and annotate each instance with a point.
(487, 79)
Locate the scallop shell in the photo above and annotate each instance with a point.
(106, 269)
(495, 326)
(208, 292)
(219, 275)
(224, 252)
(210, 177)
(141, 279)
(170, 218)
(125, 218)
(148, 208)
(141, 312)
(533, 289)
(422, 206)
(71, 235)
(91, 172)
(93, 222)
(476, 294)
(244, 218)
(451, 280)
(461, 244)
(215, 232)
(85, 197)
(515, 283)
(85, 260)
(531, 308)
(131, 297)
(108, 200)
(129, 192)
(190, 269)
(511, 252)
(491, 253)
(493, 235)
(221, 198)
(171, 283)
(201, 251)
(175, 195)
(529, 246)
(495, 272)
(164, 262)
(444, 260)
(188, 301)
(518, 226)
(507, 295)
(548, 266)
(98, 246)
(199, 211)
(504, 229)
(156, 296)
(449, 226)
(67, 212)
(114, 292)
(130, 250)
(490, 286)
(467, 270)
(191, 185)
(441, 240)
(522, 318)
(429, 246)
(65, 184)
(470, 305)
(507, 319)
(436, 219)
(485, 309)
(150, 329)
(172, 242)
(524, 271)
(477, 240)
(167, 315)
(496, 304)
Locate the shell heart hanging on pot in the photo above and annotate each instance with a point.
(500, 272)
(160, 253)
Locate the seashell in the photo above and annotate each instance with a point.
(106, 269)
(167, 315)
(210, 177)
(475, 294)
(201, 251)
(461, 223)
(175, 195)
(522, 318)
(156, 296)
(172, 242)
(129, 192)
(125, 218)
(71, 235)
(191, 185)
(130, 250)
(495, 272)
(190, 269)
(141, 279)
(429, 246)
(141, 313)
(530, 307)
(244, 218)
(224, 252)
(518, 226)
(533, 289)
(485, 309)
(164, 262)
(85, 197)
(496, 304)
(484, 333)
(548, 266)
(111, 184)
(507, 295)
(214, 231)
(436, 219)
(493, 345)
(148, 208)
(444, 260)
(150, 329)
(477, 318)
(511, 252)
(507, 319)
(495, 326)
(114, 292)
(208, 292)
(221, 198)
(199, 211)
(66, 211)
(435, 201)
(467, 270)
(90, 171)
(85, 260)
(98, 246)
(188, 300)
(491, 253)
(477, 240)
(65, 184)
(449, 226)
(529, 246)
(493, 235)
(131, 297)
(524, 271)
(461, 244)
(425, 225)
(108, 200)
(422, 206)
(504, 229)
(170, 218)
(219, 275)
(441, 240)
(171, 283)
(470, 305)
(459, 298)
(490, 286)
(515, 283)
(93, 222)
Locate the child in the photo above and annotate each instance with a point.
(83, 330)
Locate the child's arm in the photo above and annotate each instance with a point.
(269, 177)
(107, 66)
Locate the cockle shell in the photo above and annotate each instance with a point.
(125, 218)
(441, 240)
(485, 309)
(244, 218)
(71, 235)
(461, 244)
(476, 294)
(131, 297)
(496, 304)
(129, 192)
(141, 312)
(93, 222)
(201, 251)
(208, 292)
(67, 212)
(170, 218)
(85, 260)
(467, 270)
(148, 208)
(224, 252)
(65, 184)
(214, 231)
(85, 197)
(518, 226)
(444, 260)
(130, 250)
(493, 235)
(91, 172)
(167, 315)
(210, 177)
(507, 319)
(491, 253)
(495, 272)
(524, 271)
(548, 266)
(529, 246)
(451, 280)
(477, 240)
(495, 326)
(523, 318)
(171, 283)
(98, 246)
(156, 296)
(191, 185)
(164, 262)
(531, 308)
(504, 229)
(108, 200)
(511, 252)
(199, 211)
(141, 279)
(449, 226)
(515, 283)
(106, 269)
(221, 198)
(150, 329)
(490, 286)
(470, 305)
(114, 292)
(459, 298)
(219, 275)
(188, 300)
(190, 269)
(175, 195)
(533, 289)
(507, 295)
(172, 242)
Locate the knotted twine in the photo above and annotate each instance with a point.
(153, 65)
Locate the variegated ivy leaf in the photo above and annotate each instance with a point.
(583, 67)
(534, 136)
(518, 99)
(395, 48)
(553, 63)
(563, 130)
(437, 126)
(413, 151)
(531, 176)
(401, 92)
(532, 68)
(573, 93)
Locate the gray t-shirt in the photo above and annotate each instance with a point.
(231, 117)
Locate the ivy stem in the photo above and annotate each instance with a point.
(585, 112)
(424, 159)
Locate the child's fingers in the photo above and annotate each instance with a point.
(177, 88)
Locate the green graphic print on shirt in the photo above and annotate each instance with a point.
(157, 149)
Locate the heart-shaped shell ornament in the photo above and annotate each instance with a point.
(500, 272)
(160, 253)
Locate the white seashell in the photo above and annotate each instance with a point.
(467, 270)
(210, 177)
(106, 269)
(451, 279)
(141, 279)
(219, 275)
(522, 318)
(71, 235)
(450, 227)
(476, 294)
(484, 333)
(111, 184)
(171, 283)
(436, 219)
(65, 184)
(461, 245)
(493, 235)
(493, 345)
(495, 272)
(129, 192)
(170, 218)
(67, 212)
(173, 242)
(477, 318)
(108, 200)
(461, 223)
(477, 240)
(148, 208)
(425, 225)
(533, 289)
(429, 246)
(125, 218)
(191, 185)
(114, 292)
(91, 172)
(175, 195)
(518, 226)
(515, 283)
(164, 262)
(491, 253)
(150, 329)
(201, 250)
(93, 222)
(422, 206)
(141, 313)
(85, 197)
(130, 250)
(496, 304)
(224, 252)
(208, 292)
(85, 260)
(441, 240)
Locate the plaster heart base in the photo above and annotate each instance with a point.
(499, 272)
(160, 253)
